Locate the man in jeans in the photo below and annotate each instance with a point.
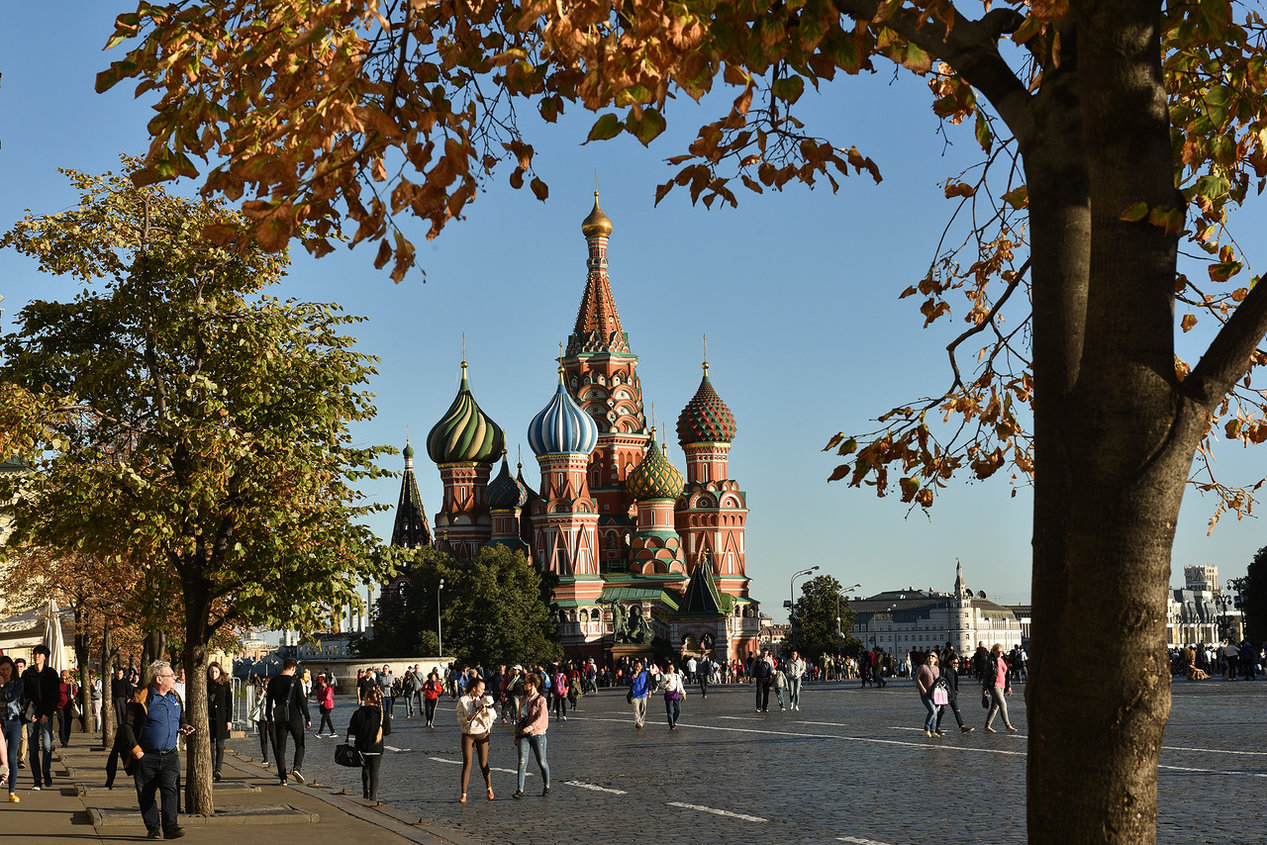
(39, 692)
(795, 671)
(639, 690)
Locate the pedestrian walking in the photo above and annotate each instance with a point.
(674, 692)
(925, 679)
(287, 713)
(39, 701)
(67, 706)
(475, 718)
(324, 694)
(703, 673)
(219, 714)
(639, 690)
(949, 681)
(430, 695)
(10, 723)
(530, 732)
(366, 730)
(763, 673)
(257, 717)
(997, 685)
(795, 671)
(155, 719)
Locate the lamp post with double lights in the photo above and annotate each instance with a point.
(840, 628)
(791, 605)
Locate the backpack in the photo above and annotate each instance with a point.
(560, 684)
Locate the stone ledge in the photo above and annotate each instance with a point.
(244, 814)
(125, 785)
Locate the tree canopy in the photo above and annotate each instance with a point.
(817, 629)
(1111, 133)
(196, 432)
(490, 609)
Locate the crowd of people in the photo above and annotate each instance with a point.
(1228, 658)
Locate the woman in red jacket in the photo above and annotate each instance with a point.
(430, 694)
(324, 694)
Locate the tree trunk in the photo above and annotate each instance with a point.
(153, 647)
(198, 781)
(107, 687)
(82, 659)
(1113, 444)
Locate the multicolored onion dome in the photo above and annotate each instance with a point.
(655, 477)
(705, 419)
(561, 427)
(504, 492)
(597, 223)
(464, 434)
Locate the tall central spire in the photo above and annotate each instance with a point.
(598, 326)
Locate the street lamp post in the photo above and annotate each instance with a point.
(840, 629)
(439, 630)
(792, 604)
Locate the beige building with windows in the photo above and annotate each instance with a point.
(899, 621)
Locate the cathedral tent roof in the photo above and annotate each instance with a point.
(702, 596)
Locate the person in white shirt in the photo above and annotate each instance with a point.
(671, 685)
(795, 670)
(475, 716)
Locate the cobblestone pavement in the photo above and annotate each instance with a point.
(852, 765)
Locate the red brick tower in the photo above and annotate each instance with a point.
(602, 376)
(712, 509)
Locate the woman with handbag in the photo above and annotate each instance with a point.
(219, 714)
(530, 732)
(475, 718)
(369, 725)
(674, 692)
(925, 678)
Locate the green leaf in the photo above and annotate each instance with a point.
(648, 128)
(607, 126)
(1018, 198)
(1134, 213)
(788, 88)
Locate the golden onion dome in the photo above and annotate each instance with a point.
(597, 223)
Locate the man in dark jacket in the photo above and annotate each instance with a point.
(155, 719)
(763, 672)
(39, 702)
(121, 690)
(286, 712)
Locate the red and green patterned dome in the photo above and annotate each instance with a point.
(465, 434)
(655, 477)
(705, 419)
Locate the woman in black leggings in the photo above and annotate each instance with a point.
(369, 725)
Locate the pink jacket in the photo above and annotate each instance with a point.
(534, 718)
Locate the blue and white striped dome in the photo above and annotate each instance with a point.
(562, 427)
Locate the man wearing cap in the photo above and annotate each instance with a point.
(155, 718)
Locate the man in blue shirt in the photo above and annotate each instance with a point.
(639, 690)
(154, 722)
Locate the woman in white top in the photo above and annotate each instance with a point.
(674, 692)
(475, 716)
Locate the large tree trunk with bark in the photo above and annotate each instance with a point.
(82, 660)
(1114, 438)
(198, 781)
(108, 726)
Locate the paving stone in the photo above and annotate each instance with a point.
(252, 814)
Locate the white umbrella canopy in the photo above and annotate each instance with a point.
(53, 637)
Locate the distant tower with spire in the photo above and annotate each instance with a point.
(713, 511)
(602, 375)
(410, 530)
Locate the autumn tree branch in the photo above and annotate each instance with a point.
(1229, 355)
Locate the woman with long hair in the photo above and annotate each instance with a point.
(369, 725)
(925, 679)
(674, 692)
(219, 714)
(475, 717)
(530, 732)
(67, 692)
(997, 685)
(10, 722)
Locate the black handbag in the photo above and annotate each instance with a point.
(348, 755)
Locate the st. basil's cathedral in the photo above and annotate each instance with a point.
(626, 535)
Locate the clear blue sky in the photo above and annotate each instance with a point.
(797, 293)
